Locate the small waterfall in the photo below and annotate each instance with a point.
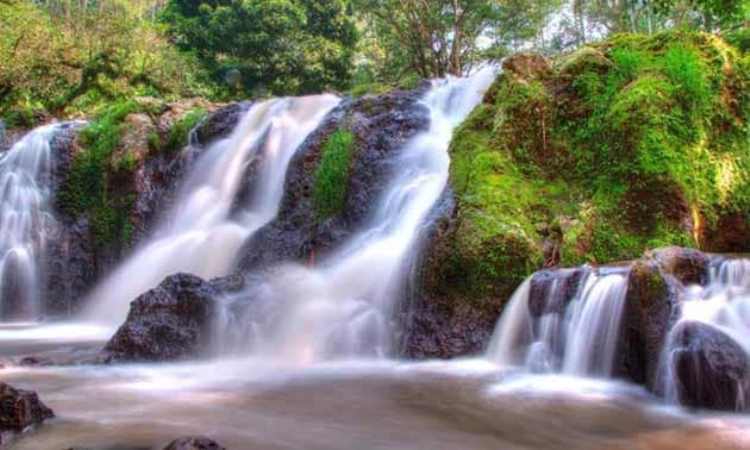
(343, 307)
(26, 222)
(569, 323)
(201, 235)
(721, 308)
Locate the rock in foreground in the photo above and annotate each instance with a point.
(171, 322)
(194, 443)
(19, 410)
(711, 369)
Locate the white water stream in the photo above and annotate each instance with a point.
(343, 307)
(200, 235)
(26, 222)
(724, 305)
(575, 338)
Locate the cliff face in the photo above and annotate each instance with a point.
(596, 156)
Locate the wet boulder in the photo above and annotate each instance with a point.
(221, 123)
(194, 443)
(711, 369)
(551, 291)
(19, 410)
(687, 265)
(649, 308)
(174, 321)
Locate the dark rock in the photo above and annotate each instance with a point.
(221, 123)
(650, 308)
(194, 443)
(438, 322)
(550, 291)
(381, 126)
(171, 322)
(32, 361)
(19, 410)
(687, 265)
(711, 369)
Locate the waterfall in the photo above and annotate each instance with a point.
(722, 307)
(202, 234)
(343, 306)
(26, 222)
(568, 324)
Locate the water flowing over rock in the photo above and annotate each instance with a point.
(710, 368)
(343, 306)
(676, 321)
(706, 360)
(28, 175)
(203, 232)
(170, 322)
(564, 321)
(19, 410)
(381, 127)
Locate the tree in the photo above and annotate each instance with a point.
(437, 37)
(282, 46)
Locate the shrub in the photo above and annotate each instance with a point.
(86, 189)
(332, 175)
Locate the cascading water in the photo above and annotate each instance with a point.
(26, 221)
(720, 310)
(570, 324)
(343, 307)
(201, 235)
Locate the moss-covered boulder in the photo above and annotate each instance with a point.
(633, 143)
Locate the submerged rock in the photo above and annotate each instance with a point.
(171, 322)
(711, 369)
(194, 443)
(19, 410)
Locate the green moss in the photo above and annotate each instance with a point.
(179, 134)
(332, 174)
(618, 145)
(86, 190)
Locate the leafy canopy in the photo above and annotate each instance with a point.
(280, 46)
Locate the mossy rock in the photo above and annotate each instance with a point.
(633, 143)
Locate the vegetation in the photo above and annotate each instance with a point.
(439, 37)
(87, 187)
(71, 58)
(280, 46)
(632, 143)
(179, 133)
(332, 174)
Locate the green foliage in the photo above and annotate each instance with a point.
(257, 46)
(618, 146)
(332, 174)
(404, 38)
(86, 190)
(178, 135)
(69, 58)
